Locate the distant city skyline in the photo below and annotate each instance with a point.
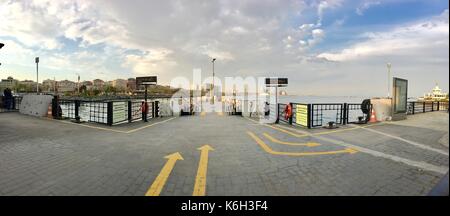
(338, 47)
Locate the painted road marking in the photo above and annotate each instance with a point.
(90, 126)
(113, 130)
(161, 179)
(203, 113)
(279, 129)
(421, 165)
(156, 123)
(418, 145)
(220, 113)
(267, 149)
(200, 179)
(309, 144)
(301, 133)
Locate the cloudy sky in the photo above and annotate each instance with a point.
(328, 47)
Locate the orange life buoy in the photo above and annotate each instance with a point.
(287, 112)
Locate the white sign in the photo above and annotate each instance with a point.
(119, 111)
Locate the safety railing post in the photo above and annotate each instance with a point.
(424, 107)
(130, 107)
(153, 110)
(156, 108)
(292, 114)
(77, 109)
(345, 114)
(438, 105)
(109, 113)
(432, 106)
(309, 116)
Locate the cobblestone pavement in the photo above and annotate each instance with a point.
(48, 157)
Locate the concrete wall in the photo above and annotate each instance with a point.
(35, 105)
(383, 108)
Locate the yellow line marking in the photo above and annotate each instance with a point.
(156, 123)
(200, 179)
(161, 179)
(266, 148)
(220, 113)
(309, 144)
(296, 133)
(203, 113)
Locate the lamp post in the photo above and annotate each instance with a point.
(389, 65)
(213, 93)
(78, 84)
(1, 46)
(37, 74)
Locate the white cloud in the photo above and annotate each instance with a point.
(366, 5)
(152, 61)
(324, 5)
(404, 40)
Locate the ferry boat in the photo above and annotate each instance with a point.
(435, 95)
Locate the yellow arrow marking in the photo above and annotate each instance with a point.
(273, 139)
(200, 179)
(271, 151)
(160, 181)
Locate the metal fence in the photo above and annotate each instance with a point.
(415, 107)
(318, 111)
(104, 112)
(10, 106)
(315, 115)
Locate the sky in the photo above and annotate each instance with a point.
(328, 47)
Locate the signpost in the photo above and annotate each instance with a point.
(275, 82)
(146, 81)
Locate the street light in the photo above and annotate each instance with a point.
(78, 84)
(389, 65)
(1, 46)
(37, 74)
(213, 93)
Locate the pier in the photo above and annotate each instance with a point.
(219, 154)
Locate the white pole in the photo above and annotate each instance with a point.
(389, 65)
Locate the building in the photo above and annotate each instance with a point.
(89, 85)
(98, 83)
(48, 85)
(9, 82)
(28, 85)
(66, 86)
(131, 84)
(120, 84)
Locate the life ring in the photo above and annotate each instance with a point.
(287, 112)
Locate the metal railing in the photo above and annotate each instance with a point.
(318, 110)
(315, 115)
(10, 106)
(104, 112)
(415, 107)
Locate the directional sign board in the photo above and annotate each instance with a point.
(279, 82)
(148, 80)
